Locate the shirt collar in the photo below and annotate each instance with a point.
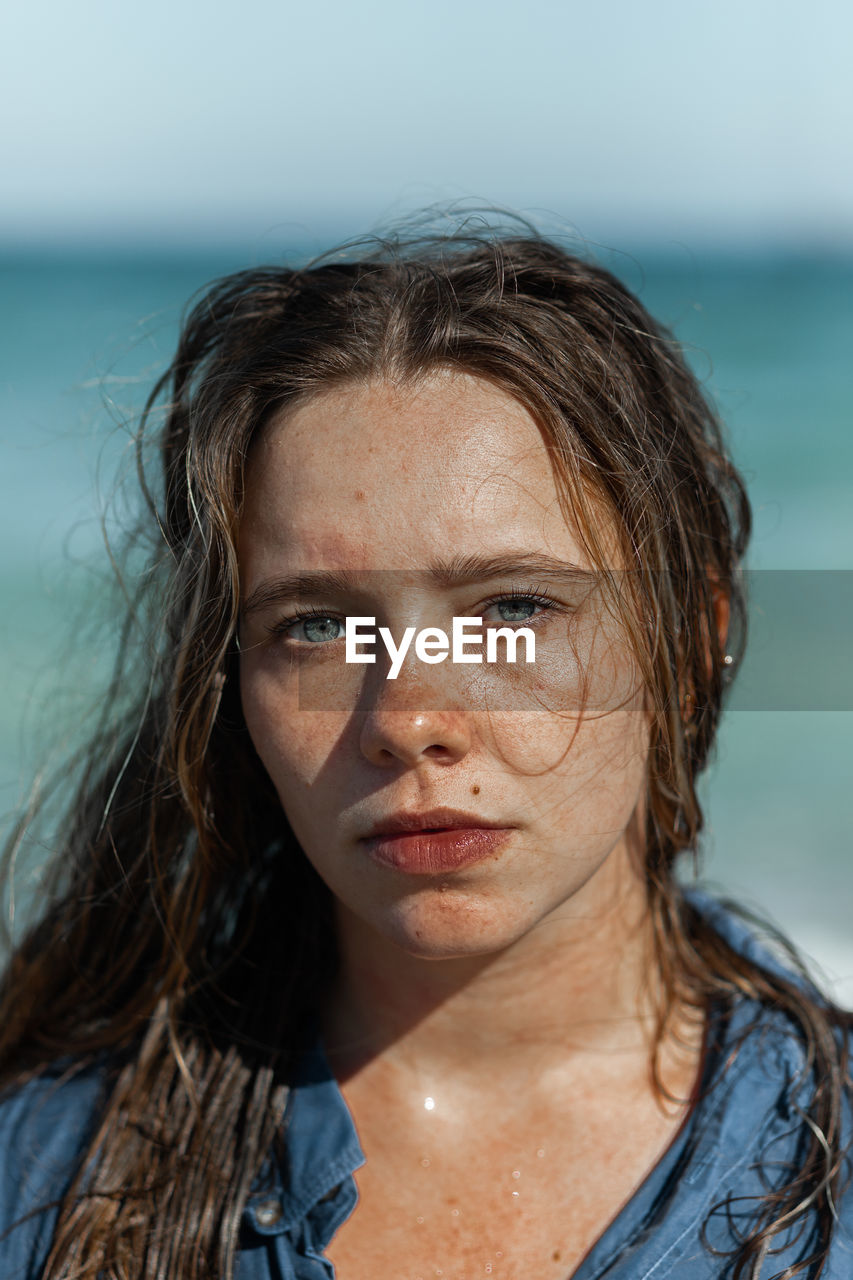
(312, 1186)
(752, 1078)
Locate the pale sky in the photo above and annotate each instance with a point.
(199, 120)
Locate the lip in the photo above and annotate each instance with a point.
(435, 841)
(441, 819)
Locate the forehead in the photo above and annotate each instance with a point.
(390, 476)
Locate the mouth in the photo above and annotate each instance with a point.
(431, 821)
(434, 844)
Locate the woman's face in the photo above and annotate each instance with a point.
(411, 491)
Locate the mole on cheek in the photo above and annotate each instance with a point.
(475, 791)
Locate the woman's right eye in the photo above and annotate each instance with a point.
(317, 628)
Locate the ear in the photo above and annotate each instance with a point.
(722, 613)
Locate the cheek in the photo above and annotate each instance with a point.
(591, 787)
(275, 726)
(557, 749)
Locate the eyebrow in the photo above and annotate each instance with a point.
(458, 572)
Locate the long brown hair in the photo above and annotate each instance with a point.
(185, 936)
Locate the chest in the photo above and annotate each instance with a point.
(500, 1201)
(462, 1230)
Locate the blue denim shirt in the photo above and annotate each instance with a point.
(748, 1116)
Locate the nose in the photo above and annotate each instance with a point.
(411, 722)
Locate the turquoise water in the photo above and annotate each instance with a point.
(770, 336)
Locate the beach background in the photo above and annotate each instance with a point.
(700, 160)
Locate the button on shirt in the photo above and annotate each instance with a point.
(749, 1116)
(286, 1229)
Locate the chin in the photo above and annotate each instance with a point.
(445, 925)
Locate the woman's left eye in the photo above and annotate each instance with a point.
(521, 608)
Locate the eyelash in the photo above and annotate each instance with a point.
(532, 595)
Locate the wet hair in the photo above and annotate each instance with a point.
(184, 937)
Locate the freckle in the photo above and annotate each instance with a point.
(475, 791)
(359, 495)
(555, 1256)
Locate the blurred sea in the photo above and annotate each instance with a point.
(770, 336)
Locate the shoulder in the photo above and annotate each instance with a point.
(45, 1126)
(782, 1092)
(778, 1022)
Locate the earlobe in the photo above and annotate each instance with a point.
(722, 613)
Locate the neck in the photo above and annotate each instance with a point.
(582, 981)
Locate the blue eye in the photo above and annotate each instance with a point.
(522, 606)
(320, 629)
(517, 607)
(317, 628)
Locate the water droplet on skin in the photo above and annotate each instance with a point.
(499, 1253)
(488, 1268)
(541, 1151)
(418, 1219)
(454, 1213)
(515, 1195)
(516, 1173)
(429, 1104)
(425, 1162)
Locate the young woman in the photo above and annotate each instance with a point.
(381, 968)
